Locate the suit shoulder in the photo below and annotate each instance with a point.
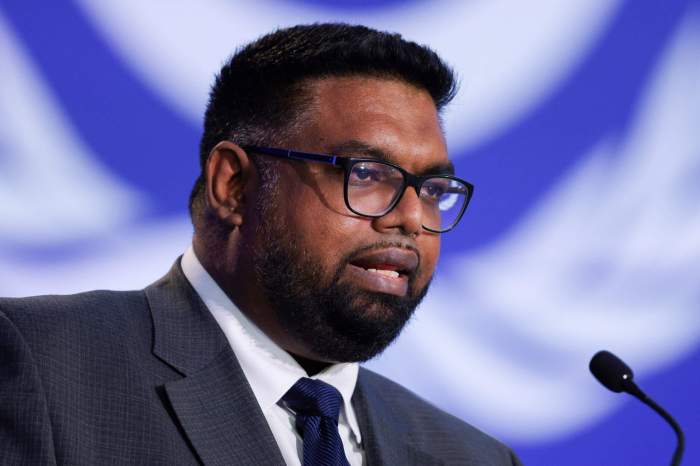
(428, 423)
(99, 312)
(402, 398)
(57, 306)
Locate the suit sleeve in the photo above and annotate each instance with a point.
(25, 430)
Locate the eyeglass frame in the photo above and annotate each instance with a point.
(415, 181)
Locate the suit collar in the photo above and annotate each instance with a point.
(186, 336)
(213, 402)
(387, 437)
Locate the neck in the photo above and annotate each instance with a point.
(312, 367)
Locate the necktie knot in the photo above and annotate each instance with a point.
(310, 397)
(316, 406)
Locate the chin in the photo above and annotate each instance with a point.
(359, 334)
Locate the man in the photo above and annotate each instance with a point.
(324, 190)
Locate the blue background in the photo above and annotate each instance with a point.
(132, 132)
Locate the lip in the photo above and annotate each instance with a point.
(403, 261)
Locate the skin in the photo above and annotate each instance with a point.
(391, 116)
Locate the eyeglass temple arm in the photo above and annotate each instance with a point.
(294, 155)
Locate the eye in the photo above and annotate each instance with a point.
(363, 173)
(434, 190)
(367, 172)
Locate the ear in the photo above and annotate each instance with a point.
(227, 171)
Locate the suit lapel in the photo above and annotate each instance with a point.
(221, 416)
(385, 436)
(213, 402)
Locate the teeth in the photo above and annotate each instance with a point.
(388, 273)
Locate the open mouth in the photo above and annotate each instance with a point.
(384, 271)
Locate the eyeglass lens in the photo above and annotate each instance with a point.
(373, 188)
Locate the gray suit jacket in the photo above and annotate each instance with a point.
(147, 377)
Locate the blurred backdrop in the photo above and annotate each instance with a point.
(578, 122)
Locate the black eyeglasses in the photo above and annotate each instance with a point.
(372, 188)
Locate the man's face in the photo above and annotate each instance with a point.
(329, 275)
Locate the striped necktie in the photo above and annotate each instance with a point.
(317, 405)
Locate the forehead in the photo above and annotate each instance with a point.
(393, 117)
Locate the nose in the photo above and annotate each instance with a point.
(406, 216)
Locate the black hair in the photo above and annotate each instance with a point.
(259, 93)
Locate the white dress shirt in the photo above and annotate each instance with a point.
(271, 371)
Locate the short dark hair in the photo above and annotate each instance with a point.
(259, 93)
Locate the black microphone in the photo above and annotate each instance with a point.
(615, 375)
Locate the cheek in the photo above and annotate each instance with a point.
(323, 234)
(430, 251)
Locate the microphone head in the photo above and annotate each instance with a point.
(611, 371)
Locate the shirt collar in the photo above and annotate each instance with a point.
(270, 370)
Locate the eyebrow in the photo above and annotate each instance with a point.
(359, 148)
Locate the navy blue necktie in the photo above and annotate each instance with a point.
(316, 405)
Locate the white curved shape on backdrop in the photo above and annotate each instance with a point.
(509, 54)
(610, 259)
(128, 258)
(51, 187)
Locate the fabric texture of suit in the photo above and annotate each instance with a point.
(148, 378)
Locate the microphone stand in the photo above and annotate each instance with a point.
(630, 387)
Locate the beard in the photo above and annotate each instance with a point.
(337, 321)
